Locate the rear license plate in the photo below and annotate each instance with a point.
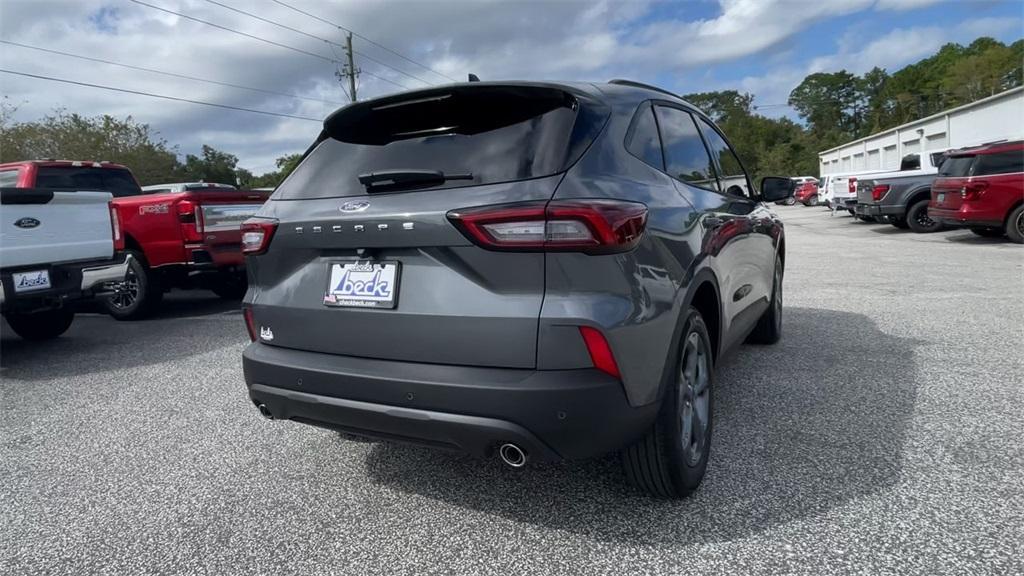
(940, 198)
(29, 281)
(362, 284)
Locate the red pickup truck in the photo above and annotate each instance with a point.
(178, 239)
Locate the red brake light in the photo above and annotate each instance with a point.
(186, 211)
(973, 190)
(879, 191)
(591, 226)
(600, 352)
(256, 235)
(852, 186)
(250, 323)
(115, 227)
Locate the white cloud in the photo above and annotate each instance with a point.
(903, 5)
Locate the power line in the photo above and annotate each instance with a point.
(172, 74)
(150, 94)
(357, 35)
(254, 37)
(315, 37)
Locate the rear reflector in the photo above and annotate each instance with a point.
(590, 226)
(256, 235)
(250, 323)
(879, 191)
(600, 352)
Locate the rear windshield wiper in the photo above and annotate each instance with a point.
(396, 179)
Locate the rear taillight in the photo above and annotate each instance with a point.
(600, 351)
(190, 217)
(250, 323)
(879, 191)
(256, 235)
(115, 228)
(590, 226)
(973, 190)
(851, 186)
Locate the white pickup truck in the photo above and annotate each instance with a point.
(55, 247)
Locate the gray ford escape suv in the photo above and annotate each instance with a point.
(534, 270)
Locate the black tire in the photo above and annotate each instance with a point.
(670, 460)
(139, 295)
(813, 201)
(44, 325)
(1015, 225)
(789, 201)
(230, 286)
(988, 232)
(918, 220)
(768, 329)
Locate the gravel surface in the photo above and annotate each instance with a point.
(883, 435)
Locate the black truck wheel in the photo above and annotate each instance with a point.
(670, 460)
(43, 325)
(918, 220)
(1015, 225)
(140, 293)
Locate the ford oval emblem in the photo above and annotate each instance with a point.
(355, 206)
(27, 223)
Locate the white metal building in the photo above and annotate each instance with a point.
(997, 117)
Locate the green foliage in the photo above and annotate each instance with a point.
(212, 166)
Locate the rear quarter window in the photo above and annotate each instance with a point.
(1000, 163)
(642, 138)
(956, 166)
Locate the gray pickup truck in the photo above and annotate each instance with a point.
(900, 198)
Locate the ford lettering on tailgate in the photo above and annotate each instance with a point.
(362, 284)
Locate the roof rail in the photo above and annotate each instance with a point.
(635, 84)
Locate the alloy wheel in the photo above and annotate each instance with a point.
(695, 398)
(126, 293)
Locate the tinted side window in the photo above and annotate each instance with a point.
(8, 179)
(686, 158)
(733, 176)
(1000, 163)
(79, 178)
(956, 166)
(643, 141)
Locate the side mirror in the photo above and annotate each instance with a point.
(775, 188)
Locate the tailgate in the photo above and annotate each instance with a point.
(47, 227)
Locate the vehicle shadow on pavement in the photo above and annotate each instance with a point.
(802, 427)
(966, 237)
(182, 329)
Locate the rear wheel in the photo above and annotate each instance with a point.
(918, 220)
(670, 460)
(1015, 225)
(988, 232)
(813, 201)
(139, 294)
(41, 325)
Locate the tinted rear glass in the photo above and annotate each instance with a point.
(956, 166)
(497, 135)
(1000, 163)
(117, 181)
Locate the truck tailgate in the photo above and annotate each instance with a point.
(46, 227)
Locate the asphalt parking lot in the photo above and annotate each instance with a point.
(883, 435)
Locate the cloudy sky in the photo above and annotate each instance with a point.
(761, 46)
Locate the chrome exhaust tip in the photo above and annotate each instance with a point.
(264, 411)
(512, 455)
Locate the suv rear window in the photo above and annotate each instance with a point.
(1000, 163)
(117, 181)
(495, 133)
(956, 166)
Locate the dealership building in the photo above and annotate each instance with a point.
(998, 117)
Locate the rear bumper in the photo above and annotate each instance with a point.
(878, 210)
(552, 415)
(69, 281)
(964, 216)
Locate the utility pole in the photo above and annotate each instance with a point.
(349, 70)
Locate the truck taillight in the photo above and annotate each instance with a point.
(191, 219)
(973, 190)
(879, 191)
(115, 228)
(257, 234)
(851, 186)
(589, 226)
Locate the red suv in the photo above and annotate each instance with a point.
(807, 193)
(982, 189)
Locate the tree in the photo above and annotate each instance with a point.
(829, 101)
(721, 106)
(213, 166)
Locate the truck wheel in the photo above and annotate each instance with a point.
(230, 286)
(768, 329)
(918, 220)
(1015, 225)
(988, 232)
(813, 201)
(670, 460)
(140, 293)
(41, 325)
